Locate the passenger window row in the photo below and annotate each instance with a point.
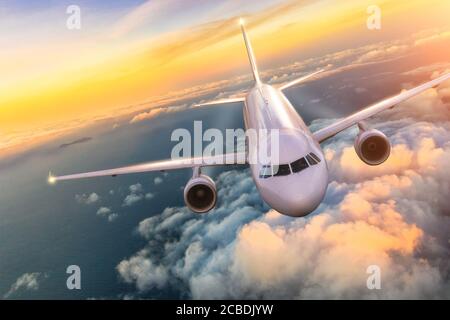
(268, 171)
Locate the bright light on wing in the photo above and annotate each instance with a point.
(51, 179)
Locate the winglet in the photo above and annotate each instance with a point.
(251, 56)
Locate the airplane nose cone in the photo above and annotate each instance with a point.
(300, 202)
(296, 195)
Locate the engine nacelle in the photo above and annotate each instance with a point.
(200, 194)
(372, 147)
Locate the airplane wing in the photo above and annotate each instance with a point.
(222, 101)
(224, 159)
(297, 81)
(328, 132)
(242, 99)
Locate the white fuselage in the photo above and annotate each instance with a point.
(296, 192)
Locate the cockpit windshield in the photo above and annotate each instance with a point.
(299, 165)
(268, 171)
(281, 170)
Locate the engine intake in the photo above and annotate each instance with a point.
(372, 147)
(200, 194)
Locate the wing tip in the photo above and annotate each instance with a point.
(51, 179)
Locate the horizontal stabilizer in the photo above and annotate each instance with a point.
(299, 80)
(222, 101)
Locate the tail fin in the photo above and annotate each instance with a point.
(251, 56)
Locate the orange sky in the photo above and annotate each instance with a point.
(79, 77)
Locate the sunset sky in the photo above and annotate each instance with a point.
(128, 52)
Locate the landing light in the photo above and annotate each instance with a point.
(241, 21)
(51, 179)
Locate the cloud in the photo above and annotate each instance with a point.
(136, 188)
(394, 216)
(137, 194)
(382, 53)
(143, 272)
(435, 38)
(153, 113)
(103, 211)
(138, 16)
(240, 204)
(107, 213)
(87, 199)
(112, 217)
(26, 282)
(157, 180)
(131, 199)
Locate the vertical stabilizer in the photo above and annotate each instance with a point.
(251, 56)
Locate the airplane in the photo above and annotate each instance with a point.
(296, 185)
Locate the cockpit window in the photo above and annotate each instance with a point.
(299, 165)
(281, 170)
(315, 157)
(311, 160)
(266, 172)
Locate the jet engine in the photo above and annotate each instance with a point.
(200, 194)
(372, 146)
